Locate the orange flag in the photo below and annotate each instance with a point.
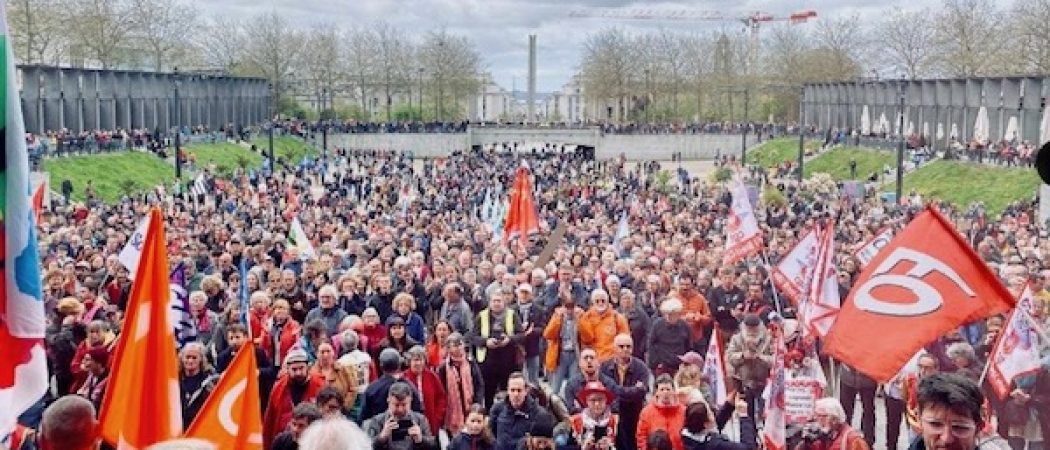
(924, 283)
(142, 406)
(521, 215)
(230, 417)
(38, 201)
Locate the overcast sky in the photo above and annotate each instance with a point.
(500, 28)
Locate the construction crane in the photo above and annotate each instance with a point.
(752, 21)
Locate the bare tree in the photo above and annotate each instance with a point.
(908, 38)
(272, 49)
(969, 38)
(452, 66)
(672, 48)
(322, 61)
(163, 28)
(99, 30)
(221, 42)
(606, 69)
(394, 62)
(841, 45)
(36, 26)
(360, 55)
(1029, 21)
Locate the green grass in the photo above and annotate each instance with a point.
(961, 184)
(288, 148)
(224, 155)
(835, 162)
(776, 151)
(109, 173)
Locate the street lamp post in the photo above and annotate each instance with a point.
(801, 132)
(900, 145)
(269, 130)
(420, 71)
(648, 95)
(743, 135)
(178, 126)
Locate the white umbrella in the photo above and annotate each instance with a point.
(940, 131)
(955, 131)
(981, 126)
(865, 121)
(910, 127)
(1011, 129)
(926, 130)
(1044, 127)
(884, 125)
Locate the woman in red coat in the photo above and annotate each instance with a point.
(429, 387)
(280, 333)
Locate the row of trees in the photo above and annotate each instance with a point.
(666, 75)
(372, 72)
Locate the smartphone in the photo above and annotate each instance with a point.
(600, 432)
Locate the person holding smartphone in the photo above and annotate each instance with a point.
(594, 427)
(400, 428)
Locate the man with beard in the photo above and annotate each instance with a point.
(377, 392)
(831, 430)
(497, 338)
(511, 420)
(587, 374)
(400, 428)
(294, 387)
(628, 378)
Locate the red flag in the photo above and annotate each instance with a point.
(924, 283)
(142, 402)
(521, 215)
(38, 201)
(230, 418)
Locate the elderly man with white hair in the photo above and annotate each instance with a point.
(831, 430)
(669, 338)
(327, 310)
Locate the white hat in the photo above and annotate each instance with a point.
(525, 287)
(671, 305)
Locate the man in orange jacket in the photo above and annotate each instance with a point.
(283, 398)
(695, 310)
(601, 324)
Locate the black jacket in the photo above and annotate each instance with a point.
(464, 441)
(668, 341)
(510, 425)
(375, 400)
(629, 395)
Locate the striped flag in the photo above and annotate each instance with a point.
(774, 432)
(743, 237)
(714, 370)
(200, 187)
(622, 230)
(23, 362)
(185, 332)
(1016, 352)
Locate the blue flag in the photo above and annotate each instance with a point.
(244, 295)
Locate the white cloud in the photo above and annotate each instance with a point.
(500, 28)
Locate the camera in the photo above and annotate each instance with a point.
(812, 432)
(600, 432)
(402, 429)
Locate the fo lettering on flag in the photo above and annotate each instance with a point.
(924, 283)
(230, 418)
(743, 237)
(774, 428)
(1016, 352)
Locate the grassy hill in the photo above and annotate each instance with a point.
(836, 162)
(224, 156)
(113, 175)
(776, 151)
(962, 183)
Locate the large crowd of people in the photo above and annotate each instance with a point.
(419, 324)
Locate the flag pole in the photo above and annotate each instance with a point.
(772, 285)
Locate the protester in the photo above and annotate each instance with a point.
(664, 412)
(702, 427)
(294, 386)
(69, 424)
(400, 428)
(462, 381)
(628, 378)
(476, 434)
(429, 387)
(303, 415)
(562, 337)
(497, 339)
(194, 374)
(334, 434)
(513, 419)
(601, 324)
(832, 430)
(595, 426)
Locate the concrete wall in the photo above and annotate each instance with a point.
(85, 99)
(929, 103)
(634, 147)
